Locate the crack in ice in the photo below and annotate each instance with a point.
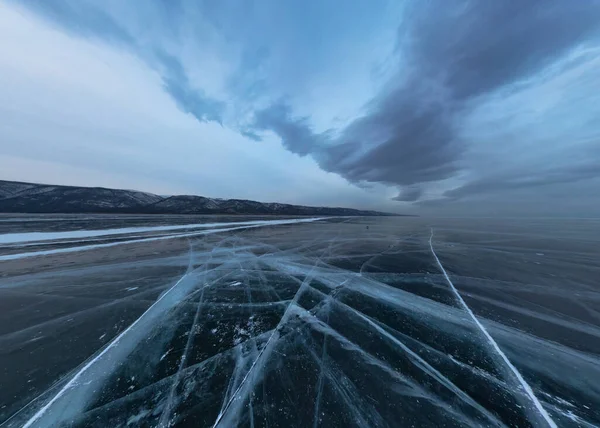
(264, 354)
(341, 313)
(77, 375)
(492, 342)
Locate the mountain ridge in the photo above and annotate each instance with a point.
(23, 197)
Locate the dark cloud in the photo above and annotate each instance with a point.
(294, 132)
(251, 135)
(409, 194)
(193, 101)
(451, 51)
(188, 99)
(397, 142)
(526, 179)
(476, 46)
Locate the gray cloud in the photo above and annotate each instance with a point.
(526, 179)
(193, 101)
(409, 194)
(88, 19)
(295, 133)
(397, 142)
(188, 99)
(451, 52)
(474, 47)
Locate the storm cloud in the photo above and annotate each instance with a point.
(450, 53)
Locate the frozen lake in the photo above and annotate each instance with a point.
(269, 322)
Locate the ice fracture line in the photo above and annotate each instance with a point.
(517, 374)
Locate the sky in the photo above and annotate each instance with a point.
(444, 107)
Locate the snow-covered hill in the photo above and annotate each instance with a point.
(42, 198)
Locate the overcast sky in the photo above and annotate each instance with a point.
(452, 107)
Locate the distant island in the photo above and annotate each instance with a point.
(19, 197)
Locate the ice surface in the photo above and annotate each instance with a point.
(16, 238)
(492, 342)
(49, 236)
(322, 324)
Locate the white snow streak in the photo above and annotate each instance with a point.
(514, 370)
(17, 238)
(155, 238)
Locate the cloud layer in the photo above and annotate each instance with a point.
(452, 54)
(441, 103)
